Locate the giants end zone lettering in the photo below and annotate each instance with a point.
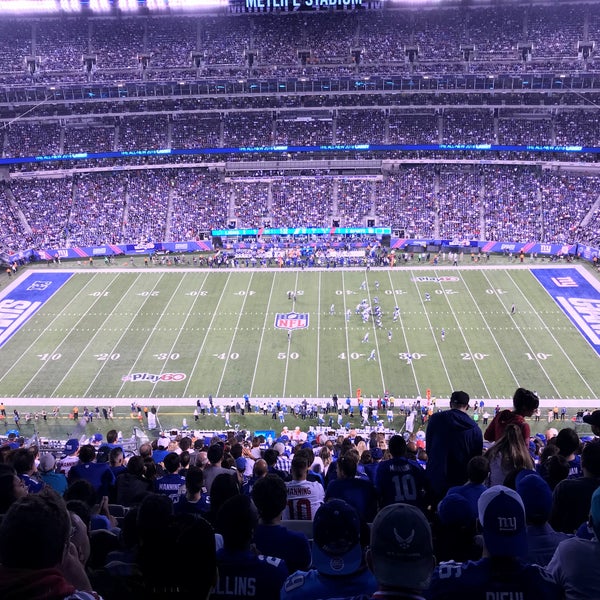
(13, 313)
(291, 320)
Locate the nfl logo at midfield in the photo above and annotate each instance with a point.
(291, 320)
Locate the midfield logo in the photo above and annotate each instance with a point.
(291, 320)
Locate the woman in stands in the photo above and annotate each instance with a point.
(507, 455)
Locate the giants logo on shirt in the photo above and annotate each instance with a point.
(291, 320)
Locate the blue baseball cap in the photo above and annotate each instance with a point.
(71, 447)
(455, 509)
(336, 546)
(502, 516)
(537, 497)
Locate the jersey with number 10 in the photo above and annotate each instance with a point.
(401, 480)
(304, 498)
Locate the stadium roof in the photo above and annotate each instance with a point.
(99, 7)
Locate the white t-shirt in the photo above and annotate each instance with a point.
(304, 498)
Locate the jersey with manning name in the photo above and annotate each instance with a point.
(304, 498)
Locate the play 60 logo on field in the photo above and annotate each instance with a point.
(153, 378)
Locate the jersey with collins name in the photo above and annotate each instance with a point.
(245, 574)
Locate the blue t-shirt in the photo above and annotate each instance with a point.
(245, 574)
(170, 485)
(312, 585)
(401, 480)
(359, 493)
(291, 546)
(478, 581)
(98, 474)
(183, 506)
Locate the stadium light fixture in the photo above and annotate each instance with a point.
(100, 6)
(70, 6)
(18, 7)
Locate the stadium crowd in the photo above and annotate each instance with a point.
(506, 203)
(180, 47)
(450, 512)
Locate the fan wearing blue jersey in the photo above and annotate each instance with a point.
(502, 572)
(338, 562)
(172, 484)
(357, 491)
(271, 538)
(400, 479)
(242, 572)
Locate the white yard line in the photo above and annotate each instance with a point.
(262, 335)
(393, 288)
(215, 312)
(435, 340)
(287, 357)
(487, 391)
(75, 362)
(82, 318)
(24, 353)
(235, 329)
(558, 345)
(489, 328)
(383, 388)
(347, 339)
(170, 354)
(137, 358)
(318, 332)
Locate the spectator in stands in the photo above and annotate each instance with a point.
(172, 483)
(507, 455)
(568, 444)
(53, 570)
(452, 439)
(542, 540)
(48, 475)
(572, 497)
(454, 530)
(524, 404)
(23, 461)
(213, 468)
(224, 486)
(359, 492)
(502, 571)
(271, 456)
(12, 487)
(98, 474)
(259, 470)
(401, 553)
(478, 471)
(132, 486)
(400, 479)
(271, 538)
(303, 497)
(574, 564)
(195, 500)
(338, 565)
(241, 570)
(593, 419)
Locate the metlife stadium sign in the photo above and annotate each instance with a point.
(292, 5)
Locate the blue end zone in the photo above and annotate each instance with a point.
(578, 297)
(18, 305)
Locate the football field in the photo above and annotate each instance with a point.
(113, 334)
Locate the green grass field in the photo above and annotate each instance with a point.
(213, 332)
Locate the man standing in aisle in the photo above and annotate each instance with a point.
(452, 439)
